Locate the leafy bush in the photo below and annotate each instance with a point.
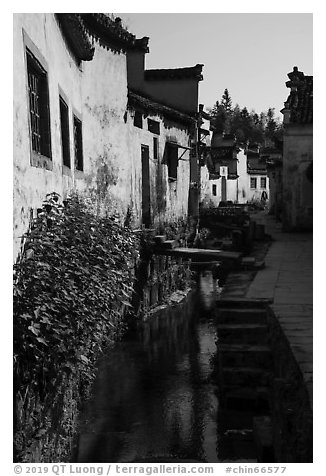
(71, 284)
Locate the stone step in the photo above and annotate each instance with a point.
(241, 316)
(246, 376)
(259, 265)
(201, 254)
(243, 355)
(263, 437)
(245, 398)
(248, 262)
(169, 244)
(243, 333)
(227, 244)
(159, 239)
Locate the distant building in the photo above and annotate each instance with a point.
(258, 181)
(175, 88)
(233, 173)
(219, 178)
(298, 153)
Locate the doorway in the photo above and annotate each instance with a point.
(146, 202)
(223, 189)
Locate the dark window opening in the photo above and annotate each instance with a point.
(172, 162)
(138, 119)
(262, 182)
(78, 144)
(153, 126)
(65, 143)
(38, 93)
(253, 182)
(214, 190)
(155, 148)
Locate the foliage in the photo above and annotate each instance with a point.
(71, 284)
(245, 125)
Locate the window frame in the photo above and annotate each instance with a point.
(34, 58)
(153, 126)
(65, 133)
(156, 148)
(263, 179)
(172, 167)
(138, 115)
(251, 179)
(214, 189)
(77, 118)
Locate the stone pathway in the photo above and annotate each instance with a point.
(287, 283)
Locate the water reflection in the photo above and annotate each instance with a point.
(154, 397)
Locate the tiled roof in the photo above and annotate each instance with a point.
(78, 28)
(300, 99)
(219, 157)
(194, 72)
(76, 36)
(108, 32)
(256, 165)
(146, 104)
(223, 141)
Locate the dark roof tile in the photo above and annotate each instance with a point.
(193, 72)
(300, 99)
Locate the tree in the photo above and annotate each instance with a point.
(245, 125)
(218, 115)
(226, 101)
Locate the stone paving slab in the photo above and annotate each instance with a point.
(287, 281)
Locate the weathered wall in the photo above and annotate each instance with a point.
(206, 186)
(101, 108)
(32, 183)
(96, 92)
(107, 163)
(169, 200)
(297, 190)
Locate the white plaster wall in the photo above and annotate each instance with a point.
(97, 92)
(255, 193)
(207, 197)
(31, 183)
(206, 189)
(107, 162)
(243, 177)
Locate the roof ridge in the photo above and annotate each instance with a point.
(152, 104)
(194, 72)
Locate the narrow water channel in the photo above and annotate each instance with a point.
(154, 398)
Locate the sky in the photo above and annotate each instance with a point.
(248, 53)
